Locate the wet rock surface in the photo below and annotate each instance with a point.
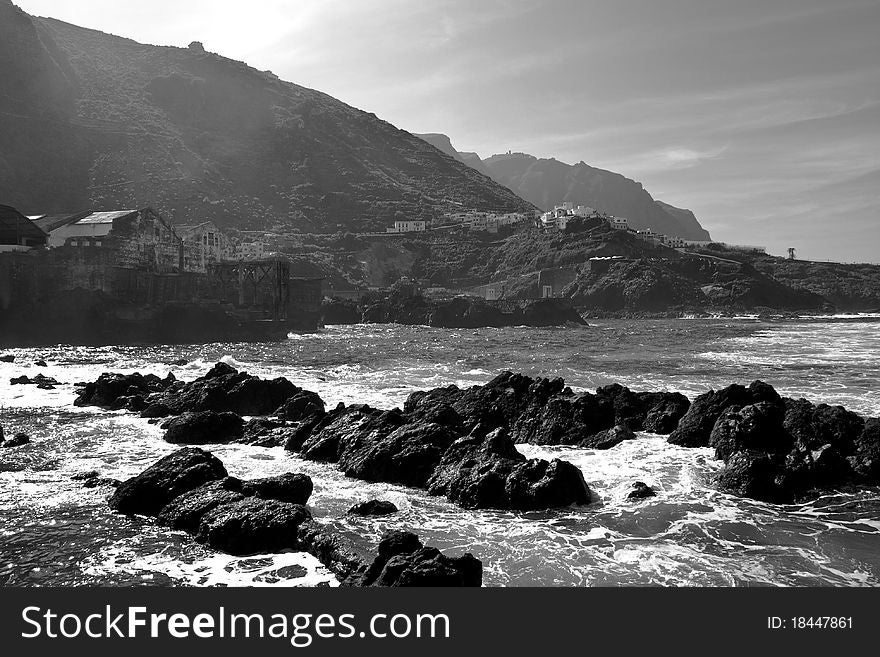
(190, 491)
(203, 428)
(373, 508)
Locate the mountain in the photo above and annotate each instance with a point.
(546, 182)
(91, 120)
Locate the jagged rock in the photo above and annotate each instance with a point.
(751, 474)
(401, 560)
(224, 389)
(373, 508)
(696, 426)
(109, 387)
(564, 420)
(7, 358)
(42, 382)
(338, 552)
(300, 406)
(292, 488)
(154, 411)
(756, 426)
(608, 439)
(486, 471)
(640, 491)
(406, 456)
(665, 413)
(811, 426)
(97, 482)
(203, 428)
(173, 475)
(252, 526)
(18, 440)
(185, 512)
(40, 363)
(404, 561)
(345, 426)
(866, 459)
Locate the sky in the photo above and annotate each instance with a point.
(761, 116)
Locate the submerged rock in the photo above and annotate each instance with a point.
(173, 475)
(640, 491)
(608, 439)
(203, 428)
(18, 440)
(373, 508)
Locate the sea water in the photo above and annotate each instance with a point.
(55, 532)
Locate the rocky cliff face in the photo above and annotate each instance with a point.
(94, 120)
(546, 182)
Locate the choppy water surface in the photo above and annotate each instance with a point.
(54, 532)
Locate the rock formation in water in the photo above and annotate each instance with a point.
(190, 490)
(460, 443)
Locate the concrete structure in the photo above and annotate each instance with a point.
(203, 246)
(250, 251)
(18, 232)
(618, 223)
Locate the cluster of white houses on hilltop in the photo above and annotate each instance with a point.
(558, 218)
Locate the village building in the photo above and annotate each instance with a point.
(18, 232)
(618, 223)
(203, 245)
(408, 226)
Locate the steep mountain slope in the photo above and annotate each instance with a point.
(95, 120)
(546, 182)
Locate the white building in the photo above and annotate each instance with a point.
(415, 226)
(618, 223)
(94, 226)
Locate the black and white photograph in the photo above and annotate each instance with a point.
(334, 294)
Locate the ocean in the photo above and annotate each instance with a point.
(55, 532)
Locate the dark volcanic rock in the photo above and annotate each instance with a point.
(290, 487)
(300, 406)
(757, 426)
(203, 428)
(373, 508)
(866, 460)
(406, 456)
(486, 471)
(252, 526)
(223, 389)
(640, 491)
(185, 511)
(401, 560)
(18, 440)
(7, 358)
(789, 450)
(106, 391)
(349, 427)
(696, 426)
(608, 439)
(169, 477)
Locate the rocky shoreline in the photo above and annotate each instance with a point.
(461, 444)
